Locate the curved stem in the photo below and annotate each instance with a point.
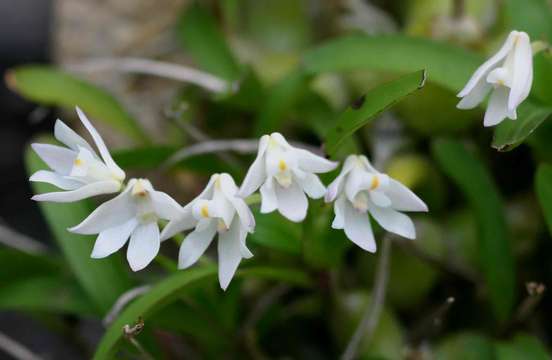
(371, 316)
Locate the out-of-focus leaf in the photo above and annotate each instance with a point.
(249, 94)
(19, 265)
(543, 188)
(46, 293)
(542, 78)
(280, 98)
(511, 133)
(274, 231)
(446, 65)
(200, 36)
(323, 247)
(49, 86)
(143, 158)
(175, 285)
(104, 280)
(370, 105)
(531, 16)
(496, 259)
(522, 347)
(465, 346)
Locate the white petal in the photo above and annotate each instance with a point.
(367, 165)
(104, 152)
(229, 254)
(143, 246)
(244, 213)
(312, 163)
(109, 214)
(244, 251)
(339, 210)
(165, 206)
(269, 202)
(355, 180)
(336, 187)
(358, 228)
(112, 239)
(476, 96)
(488, 65)
(312, 185)
(85, 191)
(256, 174)
(394, 221)
(184, 221)
(403, 199)
(55, 179)
(67, 136)
(280, 140)
(58, 158)
(523, 69)
(380, 198)
(194, 245)
(207, 193)
(292, 202)
(497, 109)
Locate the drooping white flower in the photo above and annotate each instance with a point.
(77, 168)
(133, 213)
(360, 189)
(508, 73)
(216, 210)
(284, 174)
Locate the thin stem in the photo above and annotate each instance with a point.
(370, 319)
(431, 322)
(122, 301)
(240, 146)
(156, 68)
(15, 349)
(16, 240)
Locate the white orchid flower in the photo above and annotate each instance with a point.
(216, 210)
(508, 73)
(77, 168)
(360, 189)
(284, 174)
(133, 213)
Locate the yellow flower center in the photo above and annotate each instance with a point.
(78, 162)
(282, 165)
(375, 183)
(204, 211)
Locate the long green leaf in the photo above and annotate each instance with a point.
(173, 286)
(531, 16)
(372, 104)
(496, 259)
(104, 280)
(522, 347)
(543, 188)
(446, 65)
(511, 133)
(274, 231)
(49, 86)
(200, 36)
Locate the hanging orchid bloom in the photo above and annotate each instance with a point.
(133, 213)
(361, 189)
(508, 73)
(77, 168)
(284, 174)
(216, 210)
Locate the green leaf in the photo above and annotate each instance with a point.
(465, 346)
(511, 133)
(496, 259)
(200, 36)
(281, 98)
(531, 16)
(45, 293)
(446, 65)
(370, 105)
(19, 265)
(275, 232)
(49, 86)
(145, 158)
(104, 280)
(522, 347)
(174, 286)
(543, 188)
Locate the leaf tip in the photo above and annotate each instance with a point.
(424, 78)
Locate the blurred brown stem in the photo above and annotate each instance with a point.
(432, 322)
(371, 316)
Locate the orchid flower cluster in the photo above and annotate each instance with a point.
(286, 176)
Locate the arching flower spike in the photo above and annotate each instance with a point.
(360, 189)
(284, 174)
(77, 168)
